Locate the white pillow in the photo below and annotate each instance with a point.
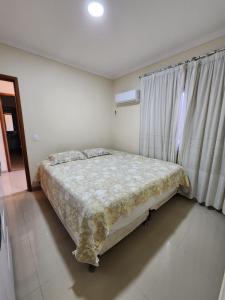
(63, 157)
(96, 152)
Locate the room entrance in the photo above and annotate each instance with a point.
(13, 154)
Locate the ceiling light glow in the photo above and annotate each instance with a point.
(95, 9)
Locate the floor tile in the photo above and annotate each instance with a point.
(35, 295)
(51, 257)
(26, 279)
(179, 255)
(58, 288)
(12, 182)
(15, 218)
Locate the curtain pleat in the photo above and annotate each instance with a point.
(202, 152)
(160, 98)
(202, 149)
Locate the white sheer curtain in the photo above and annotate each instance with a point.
(160, 98)
(202, 151)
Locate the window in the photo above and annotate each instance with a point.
(9, 122)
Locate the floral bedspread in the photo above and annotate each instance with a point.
(90, 195)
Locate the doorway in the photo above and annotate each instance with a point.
(11, 127)
(12, 137)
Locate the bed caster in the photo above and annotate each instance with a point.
(147, 221)
(92, 268)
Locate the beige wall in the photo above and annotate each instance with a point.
(126, 121)
(66, 107)
(72, 109)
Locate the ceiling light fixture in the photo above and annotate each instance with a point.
(95, 9)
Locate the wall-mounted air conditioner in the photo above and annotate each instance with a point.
(128, 97)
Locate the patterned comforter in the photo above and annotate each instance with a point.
(90, 195)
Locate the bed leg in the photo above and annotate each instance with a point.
(147, 221)
(92, 268)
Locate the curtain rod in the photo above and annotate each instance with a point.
(195, 58)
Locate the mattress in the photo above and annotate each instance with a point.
(95, 196)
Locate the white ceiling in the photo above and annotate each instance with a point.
(132, 33)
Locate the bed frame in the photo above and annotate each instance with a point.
(146, 222)
(121, 233)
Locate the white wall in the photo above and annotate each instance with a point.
(72, 109)
(66, 107)
(127, 119)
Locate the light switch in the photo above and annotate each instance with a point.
(36, 137)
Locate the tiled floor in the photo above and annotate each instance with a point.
(178, 256)
(12, 182)
(17, 161)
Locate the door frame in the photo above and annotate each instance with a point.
(4, 137)
(14, 80)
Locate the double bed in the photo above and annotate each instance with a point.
(100, 200)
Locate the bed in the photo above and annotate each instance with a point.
(100, 200)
